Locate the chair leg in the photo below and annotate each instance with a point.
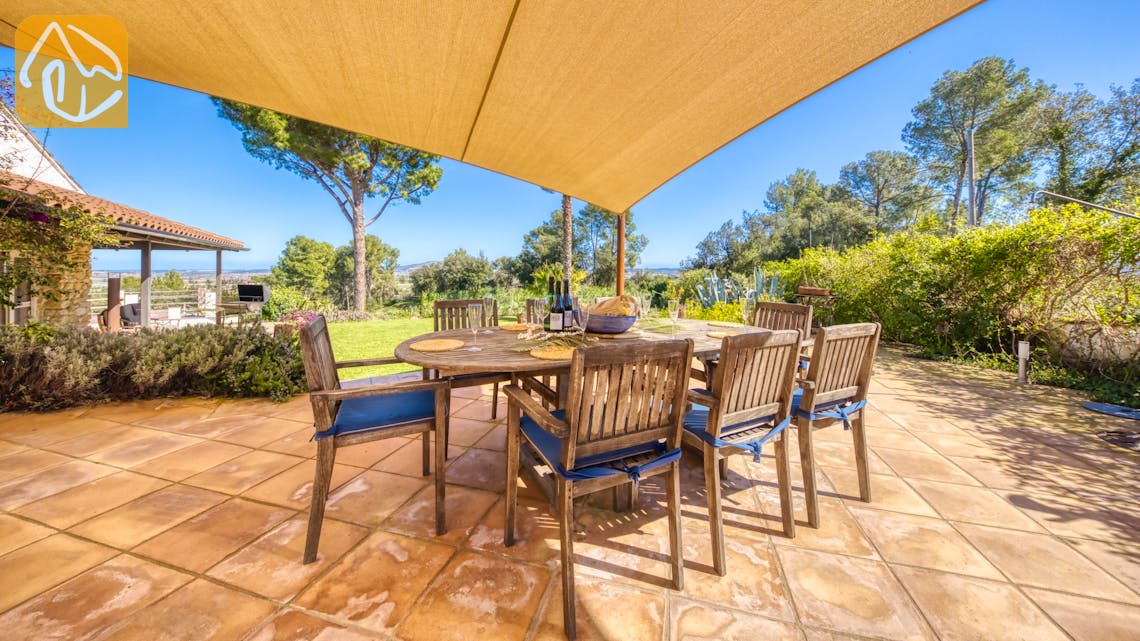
(724, 467)
(859, 434)
(441, 421)
(427, 454)
(512, 473)
(495, 402)
(712, 493)
(673, 495)
(784, 478)
(565, 502)
(326, 454)
(807, 462)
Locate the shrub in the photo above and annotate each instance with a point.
(67, 367)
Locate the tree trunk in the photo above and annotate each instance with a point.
(359, 256)
(567, 238)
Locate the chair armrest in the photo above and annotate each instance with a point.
(698, 374)
(531, 384)
(380, 389)
(536, 411)
(365, 362)
(704, 399)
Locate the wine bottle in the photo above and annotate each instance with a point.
(567, 306)
(556, 309)
(549, 301)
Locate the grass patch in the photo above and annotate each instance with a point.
(352, 340)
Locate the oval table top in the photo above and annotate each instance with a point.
(497, 354)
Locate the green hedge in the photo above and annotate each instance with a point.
(975, 294)
(43, 368)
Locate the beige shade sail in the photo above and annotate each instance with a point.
(605, 100)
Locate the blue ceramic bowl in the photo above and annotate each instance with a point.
(601, 324)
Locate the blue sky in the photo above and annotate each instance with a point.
(180, 160)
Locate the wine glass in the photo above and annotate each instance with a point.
(488, 310)
(474, 315)
(674, 311)
(645, 303)
(582, 314)
(747, 307)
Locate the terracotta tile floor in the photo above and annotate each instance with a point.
(996, 515)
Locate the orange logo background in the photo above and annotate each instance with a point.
(71, 71)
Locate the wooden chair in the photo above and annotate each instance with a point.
(622, 422)
(749, 404)
(452, 314)
(835, 388)
(347, 416)
(783, 316)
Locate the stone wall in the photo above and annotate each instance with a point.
(71, 308)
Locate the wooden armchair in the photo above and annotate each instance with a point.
(748, 404)
(452, 314)
(622, 422)
(783, 316)
(347, 416)
(835, 388)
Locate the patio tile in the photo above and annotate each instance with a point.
(375, 585)
(969, 609)
(271, 566)
(924, 542)
(952, 445)
(850, 595)
(493, 600)
(89, 444)
(1121, 561)
(466, 431)
(752, 581)
(811, 634)
(1042, 561)
(260, 431)
(1000, 471)
(217, 426)
(199, 610)
(175, 417)
(27, 462)
(465, 507)
(837, 532)
(294, 625)
(139, 451)
(25, 422)
(239, 474)
(128, 525)
(9, 447)
(536, 532)
(408, 459)
(299, 443)
(919, 465)
(483, 469)
(842, 454)
(178, 465)
(40, 430)
(974, 505)
(371, 497)
(1073, 517)
(888, 492)
(49, 481)
(215, 533)
(693, 620)
(16, 533)
(92, 602)
(495, 439)
(368, 454)
(34, 568)
(293, 488)
(254, 406)
(896, 440)
(80, 503)
(641, 615)
(1089, 619)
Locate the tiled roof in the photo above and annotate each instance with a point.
(121, 214)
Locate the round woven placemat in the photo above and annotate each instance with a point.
(436, 345)
(553, 353)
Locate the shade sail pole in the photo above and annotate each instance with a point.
(620, 288)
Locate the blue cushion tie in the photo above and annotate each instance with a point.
(696, 422)
(840, 412)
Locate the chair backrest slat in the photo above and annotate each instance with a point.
(452, 314)
(841, 363)
(755, 377)
(783, 316)
(320, 369)
(625, 395)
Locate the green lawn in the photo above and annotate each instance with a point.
(373, 339)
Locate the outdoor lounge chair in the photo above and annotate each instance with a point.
(131, 315)
(452, 314)
(835, 388)
(748, 404)
(347, 416)
(622, 422)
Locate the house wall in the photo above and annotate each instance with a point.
(71, 308)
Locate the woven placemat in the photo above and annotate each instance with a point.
(436, 345)
(553, 353)
(724, 324)
(518, 327)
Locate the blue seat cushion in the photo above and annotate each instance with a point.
(378, 412)
(798, 396)
(696, 421)
(550, 446)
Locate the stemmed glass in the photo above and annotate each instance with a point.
(674, 311)
(474, 315)
(746, 308)
(582, 312)
(488, 309)
(646, 301)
